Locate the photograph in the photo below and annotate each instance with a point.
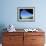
(25, 14)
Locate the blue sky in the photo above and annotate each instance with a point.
(24, 14)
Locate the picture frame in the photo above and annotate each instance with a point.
(26, 14)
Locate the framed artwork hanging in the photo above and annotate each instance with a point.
(26, 14)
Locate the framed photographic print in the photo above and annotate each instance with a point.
(26, 14)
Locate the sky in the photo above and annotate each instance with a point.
(25, 14)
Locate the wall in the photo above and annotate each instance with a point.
(9, 13)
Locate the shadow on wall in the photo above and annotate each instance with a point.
(2, 26)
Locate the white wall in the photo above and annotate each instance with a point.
(9, 13)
